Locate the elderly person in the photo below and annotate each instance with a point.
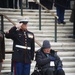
(48, 60)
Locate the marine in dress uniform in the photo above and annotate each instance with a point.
(23, 47)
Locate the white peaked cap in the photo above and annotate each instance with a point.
(23, 19)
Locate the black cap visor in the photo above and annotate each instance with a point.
(24, 22)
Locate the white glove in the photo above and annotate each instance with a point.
(18, 26)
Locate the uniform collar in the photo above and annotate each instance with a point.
(24, 30)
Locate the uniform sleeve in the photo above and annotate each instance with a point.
(33, 47)
(12, 33)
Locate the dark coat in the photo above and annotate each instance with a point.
(47, 3)
(25, 39)
(72, 18)
(43, 61)
(3, 3)
(2, 47)
(61, 3)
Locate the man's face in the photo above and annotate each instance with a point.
(24, 26)
(47, 50)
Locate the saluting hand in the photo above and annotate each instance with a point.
(18, 26)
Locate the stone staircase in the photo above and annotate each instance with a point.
(64, 45)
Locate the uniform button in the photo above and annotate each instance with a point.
(17, 50)
(25, 39)
(24, 32)
(25, 44)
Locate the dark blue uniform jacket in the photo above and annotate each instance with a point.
(23, 45)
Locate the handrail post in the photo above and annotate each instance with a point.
(55, 29)
(2, 23)
(21, 9)
(39, 17)
(26, 4)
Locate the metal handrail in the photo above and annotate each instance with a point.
(46, 9)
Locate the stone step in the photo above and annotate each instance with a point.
(54, 48)
(27, 10)
(60, 53)
(51, 36)
(10, 43)
(53, 44)
(8, 73)
(43, 24)
(36, 17)
(66, 54)
(44, 18)
(65, 65)
(47, 31)
(37, 20)
(43, 27)
(70, 74)
(67, 70)
(68, 66)
(31, 13)
(63, 58)
(34, 29)
(60, 40)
